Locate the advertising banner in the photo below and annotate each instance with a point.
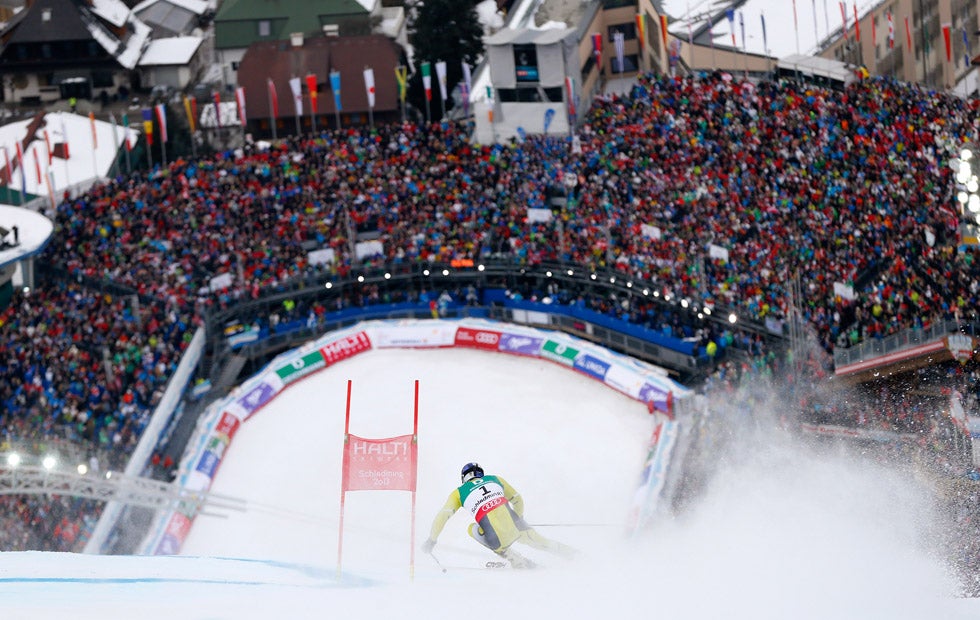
(177, 528)
(345, 347)
(301, 366)
(208, 463)
(652, 394)
(435, 334)
(520, 344)
(592, 366)
(380, 464)
(559, 352)
(256, 397)
(485, 339)
(227, 425)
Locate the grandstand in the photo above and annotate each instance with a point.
(720, 229)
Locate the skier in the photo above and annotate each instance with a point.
(498, 511)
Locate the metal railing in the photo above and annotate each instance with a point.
(906, 339)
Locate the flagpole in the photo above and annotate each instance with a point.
(272, 112)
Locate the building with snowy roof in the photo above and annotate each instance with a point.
(55, 49)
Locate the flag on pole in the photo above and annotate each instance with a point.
(95, 134)
(273, 98)
(8, 169)
(966, 49)
(37, 166)
(467, 87)
(190, 109)
(891, 31)
(908, 34)
(311, 87)
(125, 122)
(597, 49)
(874, 31)
(161, 111)
(843, 17)
(730, 13)
(857, 23)
(641, 29)
(148, 125)
(949, 46)
(240, 100)
(294, 85)
(619, 42)
(490, 101)
(663, 31)
(369, 86)
(64, 137)
(335, 89)
(20, 163)
(115, 130)
(427, 80)
(765, 39)
(741, 23)
(441, 77)
(401, 76)
(47, 139)
(217, 108)
(570, 94)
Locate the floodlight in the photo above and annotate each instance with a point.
(13, 459)
(49, 462)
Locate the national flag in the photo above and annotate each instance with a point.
(369, 86)
(949, 46)
(295, 86)
(125, 122)
(663, 31)
(273, 98)
(190, 109)
(619, 42)
(730, 13)
(311, 87)
(148, 125)
(217, 109)
(641, 29)
(441, 78)
(8, 169)
(47, 145)
(240, 100)
(857, 23)
(891, 31)
(427, 80)
(401, 76)
(335, 87)
(908, 34)
(161, 111)
(95, 134)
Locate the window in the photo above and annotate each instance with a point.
(630, 64)
(265, 28)
(46, 50)
(526, 63)
(102, 79)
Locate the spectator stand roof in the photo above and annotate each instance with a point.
(33, 232)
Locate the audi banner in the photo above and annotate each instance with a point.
(477, 338)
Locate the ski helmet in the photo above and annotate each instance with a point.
(470, 471)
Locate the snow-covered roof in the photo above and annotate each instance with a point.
(113, 11)
(127, 52)
(198, 7)
(170, 51)
(547, 36)
(368, 4)
(86, 161)
(784, 34)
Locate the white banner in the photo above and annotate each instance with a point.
(650, 232)
(716, 251)
(297, 87)
(844, 291)
(441, 74)
(367, 249)
(324, 256)
(369, 86)
(538, 215)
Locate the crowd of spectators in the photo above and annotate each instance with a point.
(711, 189)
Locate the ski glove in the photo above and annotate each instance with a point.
(428, 546)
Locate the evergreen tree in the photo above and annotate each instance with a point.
(447, 30)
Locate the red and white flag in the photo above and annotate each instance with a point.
(37, 166)
(273, 98)
(240, 100)
(891, 31)
(47, 145)
(949, 47)
(64, 137)
(95, 134)
(162, 120)
(369, 86)
(857, 23)
(908, 34)
(296, 86)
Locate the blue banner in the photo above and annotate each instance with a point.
(335, 87)
(592, 366)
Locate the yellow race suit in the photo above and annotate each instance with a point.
(497, 510)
